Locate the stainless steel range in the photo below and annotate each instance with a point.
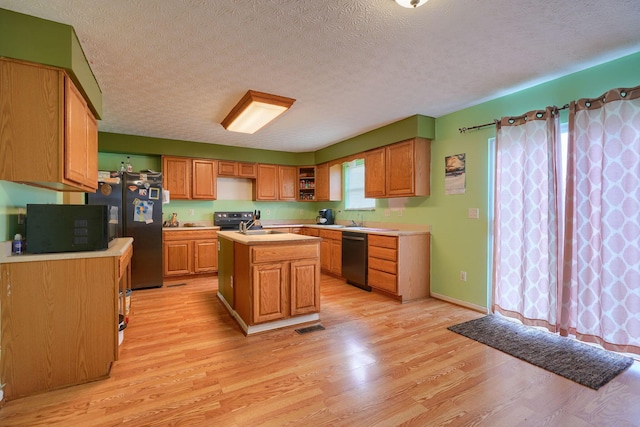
(231, 220)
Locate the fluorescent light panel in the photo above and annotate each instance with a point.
(254, 111)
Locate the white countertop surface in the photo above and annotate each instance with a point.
(260, 239)
(117, 248)
(369, 230)
(192, 228)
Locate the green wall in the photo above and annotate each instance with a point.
(33, 39)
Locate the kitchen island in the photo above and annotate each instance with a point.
(269, 281)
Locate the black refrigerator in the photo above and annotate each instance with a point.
(135, 208)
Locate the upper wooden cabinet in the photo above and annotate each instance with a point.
(188, 178)
(49, 135)
(328, 182)
(236, 169)
(275, 182)
(398, 170)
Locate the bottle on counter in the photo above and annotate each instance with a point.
(129, 165)
(122, 168)
(17, 244)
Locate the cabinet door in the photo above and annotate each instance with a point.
(374, 173)
(77, 146)
(322, 182)
(400, 169)
(267, 182)
(325, 254)
(288, 176)
(226, 168)
(177, 177)
(305, 287)
(177, 256)
(206, 256)
(204, 173)
(92, 151)
(247, 170)
(336, 257)
(270, 300)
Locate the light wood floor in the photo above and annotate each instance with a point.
(378, 363)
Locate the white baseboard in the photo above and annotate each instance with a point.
(460, 303)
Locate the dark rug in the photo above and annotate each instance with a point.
(582, 363)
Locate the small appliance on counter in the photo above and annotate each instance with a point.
(67, 228)
(325, 217)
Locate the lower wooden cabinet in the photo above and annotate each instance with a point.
(331, 251)
(187, 252)
(284, 281)
(399, 265)
(60, 319)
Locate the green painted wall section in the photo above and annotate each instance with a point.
(418, 125)
(16, 196)
(459, 243)
(46, 42)
(120, 143)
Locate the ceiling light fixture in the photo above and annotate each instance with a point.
(254, 111)
(411, 4)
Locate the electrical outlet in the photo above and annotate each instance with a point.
(191, 212)
(400, 211)
(268, 212)
(473, 213)
(463, 276)
(387, 212)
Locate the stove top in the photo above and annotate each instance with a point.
(231, 220)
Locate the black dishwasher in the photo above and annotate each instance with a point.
(354, 259)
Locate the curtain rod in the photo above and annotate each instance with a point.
(464, 130)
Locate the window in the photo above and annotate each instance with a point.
(353, 173)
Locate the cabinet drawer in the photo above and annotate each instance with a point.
(383, 265)
(382, 280)
(283, 253)
(383, 241)
(227, 168)
(168, 236)
(330, 234)
(383, 253)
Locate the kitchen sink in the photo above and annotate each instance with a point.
(259, 231)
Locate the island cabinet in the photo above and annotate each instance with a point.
(274, 182)
(189, 178)
(275, 279)
(399, 265)
(398, 170)
(189, 252)
(284, 282)
(60, 318)
(331, 251)
(49, 135)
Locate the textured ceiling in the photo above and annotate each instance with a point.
(174, 68)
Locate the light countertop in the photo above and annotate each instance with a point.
(385, 231)
(117, 248)
(261, 239)
(191, 228)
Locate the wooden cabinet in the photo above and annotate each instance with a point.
(398, 170)
(307, 184)
(284, 281)
(59, 320)
(399, 265)
(236, 169)
(188, 178)
(49, 135)
(187, 252)
(328, 182)
(275, 182)
(331, 251)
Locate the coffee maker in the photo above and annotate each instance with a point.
(325, 217)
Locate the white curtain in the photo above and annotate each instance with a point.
(526, 244)
(601, 279)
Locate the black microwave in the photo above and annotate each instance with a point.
(67, 228)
